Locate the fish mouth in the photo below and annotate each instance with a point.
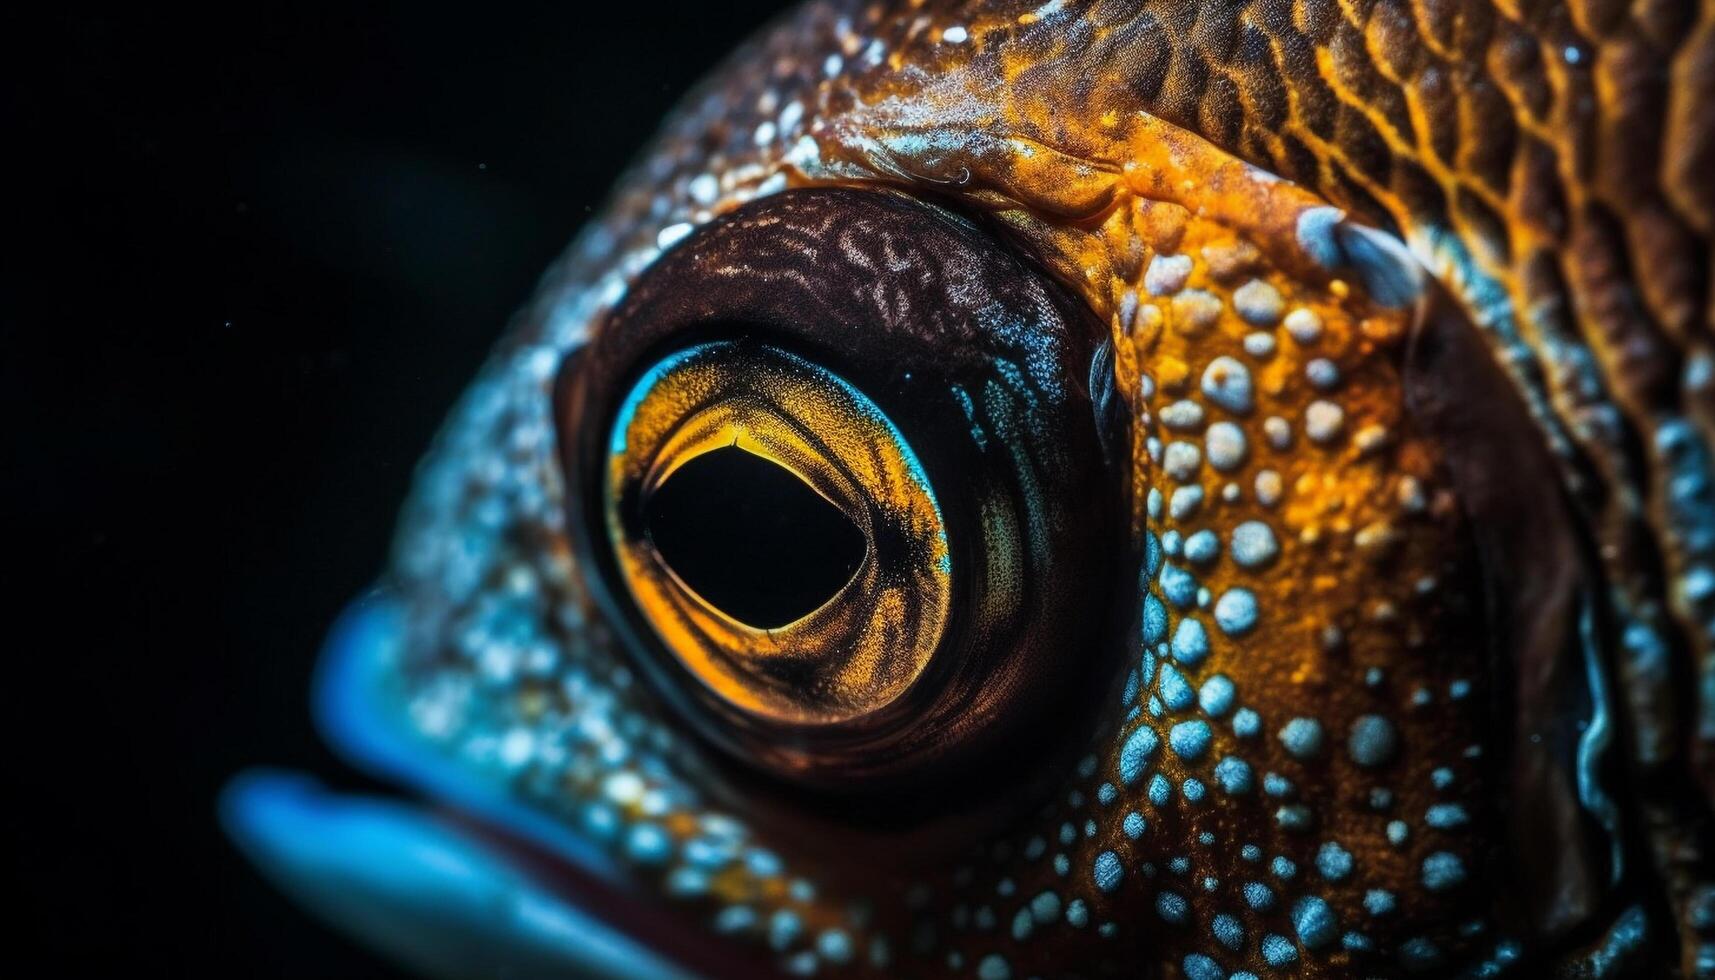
(463, 880)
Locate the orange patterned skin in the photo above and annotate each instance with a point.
(1411, 334)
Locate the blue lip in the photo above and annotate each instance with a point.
(411, 883)
(361, 715)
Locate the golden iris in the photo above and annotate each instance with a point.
(719, 420)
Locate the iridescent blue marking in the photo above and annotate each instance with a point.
(1190, 642)
(1278, 951)
(1172, 907)
(1236, 612)
(1175, 691)
(1154, 620)
(1314, 922)
(1333, 861)
(1247, 723)
(1253, 544)
(1229, 931)
(1443, 870)
(1302, 737)
(1216, 695)
(1134, 825)
(1373, 741)
(1446, 816)
(1108, 871)
(1234, 775)
(1178, 586)
(1258, 895)
(1135, 753)
(1190, 739)
(1160, 790)
(1202, 547)
(1200, 967)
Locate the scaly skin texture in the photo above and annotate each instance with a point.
(1317, 745)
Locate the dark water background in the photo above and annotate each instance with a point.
(255, 253)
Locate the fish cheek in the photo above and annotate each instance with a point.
(1302, 770)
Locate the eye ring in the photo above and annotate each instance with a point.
(981, 364)
(869, 641)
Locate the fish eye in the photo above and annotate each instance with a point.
(778, 532)
(837, 463)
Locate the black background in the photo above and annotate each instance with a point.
(256, 252)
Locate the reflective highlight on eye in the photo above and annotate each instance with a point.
(714, 412)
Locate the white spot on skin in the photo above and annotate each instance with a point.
(1182, 460)
(1278, 432)
(623, 787)
(1376, 537)
(1323, 421)
(1167, 274)
(1322, 373)
(1225, 444)
(1236, 612)
(1202, 547)
(1411, 496)
(704, 189)
(1195, 311)
(1185, 502)
(1370, 438)
(1268, 488)
(517, 747)
(955, 35)
(1182, 416)
(671, 234)
(1304, 325)
(1253, 544)
(1258, 303)
(1259, 345)
(1260, 176)
(1227, 383)
(1700, 372)
(1126, 313)
(806, 154)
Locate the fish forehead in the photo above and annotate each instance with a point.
(1060, 120)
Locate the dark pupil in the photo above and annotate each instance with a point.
(751, 538)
